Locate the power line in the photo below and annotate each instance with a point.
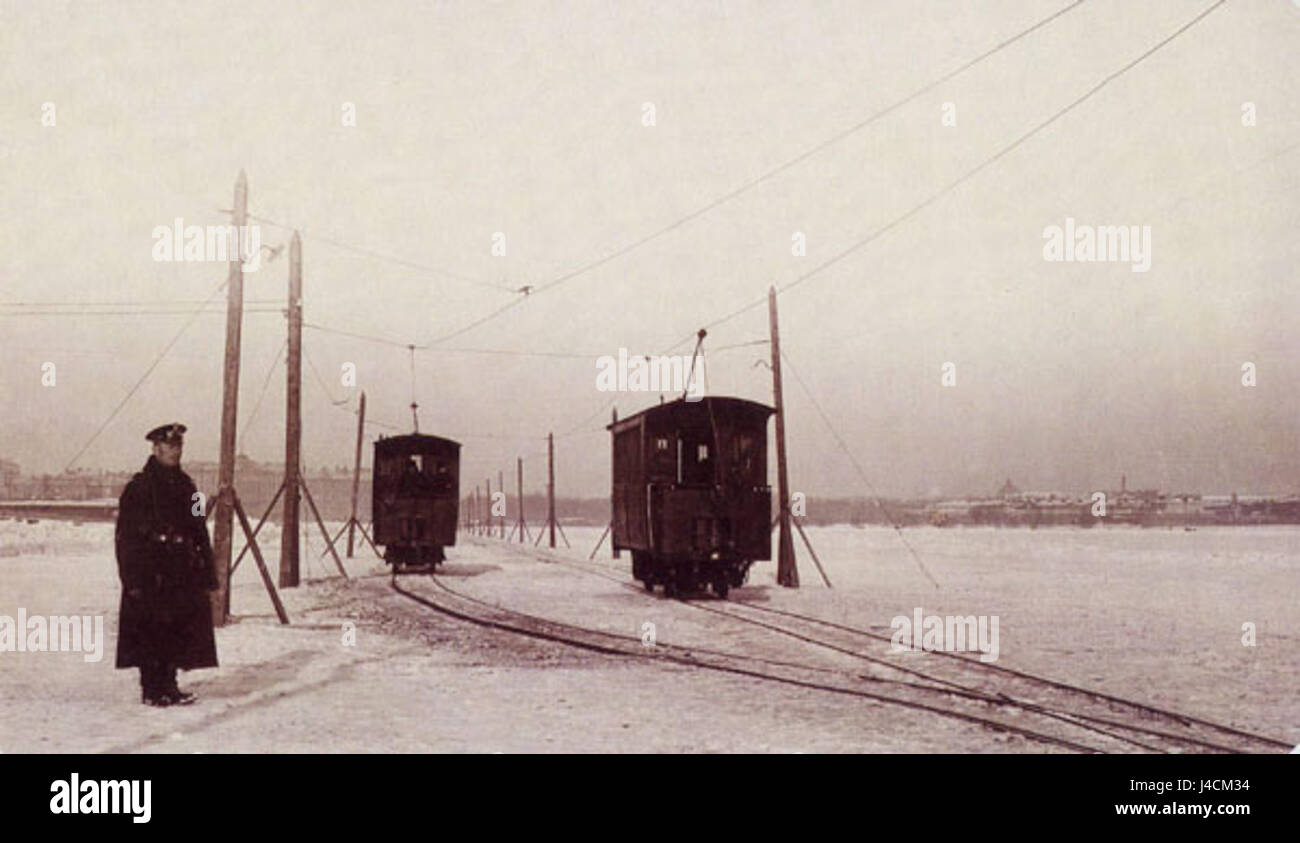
(1156, 212)
(883, 229)
(506, 352)
(875, 496)
(340, 403)
(740, 345)
(407, 346)
(202, 311)
(256, 406)
(355, 335)
(760, 179)
(321, 381)
(581, 428)
(371, 253)
(572, 355)
(141, 303)
(144, 377)
(742, 188)
(834, 259)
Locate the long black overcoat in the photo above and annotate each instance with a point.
(164, 560)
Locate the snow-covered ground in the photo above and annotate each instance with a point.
(1154, 615)
(1148, 614)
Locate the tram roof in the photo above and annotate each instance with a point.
(722, 406)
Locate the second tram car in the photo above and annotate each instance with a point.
(690, 497)
(415, 498)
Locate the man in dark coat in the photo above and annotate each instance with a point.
(164, 559)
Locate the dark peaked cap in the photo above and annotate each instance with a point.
(171, 433)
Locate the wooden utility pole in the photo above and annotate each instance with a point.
(501, 484)
(356, 471)
(224, 524)
(612, 547)
(523, 525)
(293, 422)
(550, 485)
(787, 573)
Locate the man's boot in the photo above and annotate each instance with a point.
(151, 692)
(174, 693)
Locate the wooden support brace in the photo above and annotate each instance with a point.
(808, 545)
(599, 542)
(269, 509)
(369, 540)
(257, 557)
(316, 513)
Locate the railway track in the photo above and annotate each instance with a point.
(960, 669)
(1112, 722)
(469, 609)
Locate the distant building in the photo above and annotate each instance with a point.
(9, 475)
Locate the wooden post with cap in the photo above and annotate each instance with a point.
(613, 548)
(292, 422)
(523, 525)
(223, 524)
(550, 486)
(787, 572)
(356, 471)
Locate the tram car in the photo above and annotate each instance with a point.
(415, 498)
(690, 497)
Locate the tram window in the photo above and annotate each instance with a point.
(694, 466)
(440, 476)
(745, 458)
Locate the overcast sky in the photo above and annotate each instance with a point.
(529, 119)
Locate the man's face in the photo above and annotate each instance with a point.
(167, 453)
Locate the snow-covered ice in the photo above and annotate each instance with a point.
(1153, 615)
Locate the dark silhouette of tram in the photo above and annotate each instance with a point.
(415, 498)
(691, 498)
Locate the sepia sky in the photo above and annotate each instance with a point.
(528, 119)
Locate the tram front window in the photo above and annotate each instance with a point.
(696, 467)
